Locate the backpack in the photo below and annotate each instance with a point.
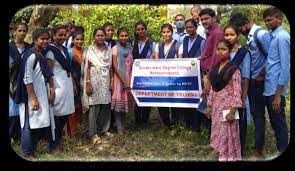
(258, 43)
(15, 74)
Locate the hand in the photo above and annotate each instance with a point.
(89, 89)
(35, 104)
(276, 104)
(231, 116)
(205, 92)
(51, 97)
(208, 112)
(126, 84)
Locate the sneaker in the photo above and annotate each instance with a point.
(96, 139)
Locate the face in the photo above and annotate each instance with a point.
(78, 41)
(21, 32)
(42, 41)
(60, 36)
(222, 50)
(123, 37)
(244, 30)
(272, 22)
(140, 31)
(167, 34)
(109, 32)
(231, 35)
(179, 18)
(99, 37)
(190, 28)
(195, 15)
(207, 21)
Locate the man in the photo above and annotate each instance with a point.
(258, 41)
(195, 11)
(180, 33)
(277, 75)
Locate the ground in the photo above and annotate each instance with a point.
(154, 143)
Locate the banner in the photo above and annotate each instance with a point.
(166, 82)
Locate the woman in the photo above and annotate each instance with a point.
(71, 128)
(95, 80)
(192, 47)
(60, 63)
(240, 56)
(16, 49)
(168, 49)
(225, 94)
(109, 29)
(143, 48)
(122, 100)
(34, 108)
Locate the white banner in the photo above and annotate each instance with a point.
(166, 82)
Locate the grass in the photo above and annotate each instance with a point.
(155, 143)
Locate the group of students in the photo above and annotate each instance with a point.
(97, 79)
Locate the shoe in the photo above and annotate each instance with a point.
(96, 139)
(108, 134)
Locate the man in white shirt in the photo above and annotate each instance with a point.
(195, 11)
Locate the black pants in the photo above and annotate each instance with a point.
(164, 113)
(142, 115)
(60, 122)
(243, 128)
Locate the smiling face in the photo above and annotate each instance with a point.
(60, 36)
(42, 41)
(78, 41)
(190, 28)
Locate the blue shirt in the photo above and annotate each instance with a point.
(278, 62)
(258, 60)
(13, 108)
(244, 66)
(179, 37)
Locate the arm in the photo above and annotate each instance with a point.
(236, 100)
(28, 81)
(89, 88)
(246, 77)
(51, 96)
(284, 55)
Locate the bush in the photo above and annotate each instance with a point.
(92, 16)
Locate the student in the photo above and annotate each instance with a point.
(240, 56)
(122, 99)
(277, 76)
(65, 88)
(109, 29)
(16, 49)
(258, 41)
(195, 11)
(180, 32)
(225, 94)
(34, 109)
(96, 76)
(192, 47)
(71, 127)
(213, 35)
(143, 48)
(168, 49)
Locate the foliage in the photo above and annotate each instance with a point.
(92, 16)
(22, 15)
